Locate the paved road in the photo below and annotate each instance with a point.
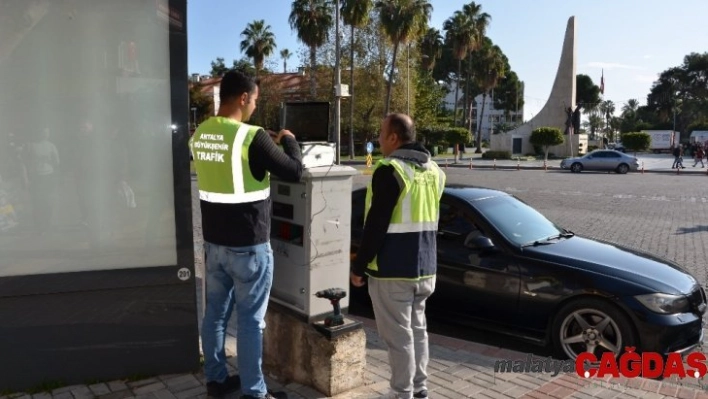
(651, 162)
(663, 214)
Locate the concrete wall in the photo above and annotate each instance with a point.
(553, 113)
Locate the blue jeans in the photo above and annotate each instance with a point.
(240, 276)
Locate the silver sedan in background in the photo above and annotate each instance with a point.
(602, 160)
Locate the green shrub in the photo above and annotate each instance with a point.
(496, 155)
(636, 141)
(546, 137)
(456, 135)
(592, 148)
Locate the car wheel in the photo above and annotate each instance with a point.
(591, 325)
(622, 169)
(576, 168)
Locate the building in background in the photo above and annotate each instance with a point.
(492, 117)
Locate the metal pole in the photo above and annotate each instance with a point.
(337, 88)
(516, 114)
(408, 80)
(351, 101)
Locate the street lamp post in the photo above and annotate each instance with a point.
(194, 117)
(337, 87)
(408, 81)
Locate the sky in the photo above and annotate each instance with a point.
(632, 40)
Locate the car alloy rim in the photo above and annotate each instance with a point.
(590, 330)
(575, 167)
(623, 168)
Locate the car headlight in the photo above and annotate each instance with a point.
(664, 303)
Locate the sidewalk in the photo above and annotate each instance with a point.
(457, 369)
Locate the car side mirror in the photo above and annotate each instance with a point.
(478, 242)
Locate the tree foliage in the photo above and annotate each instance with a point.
(638, 141)
(203, 103)
(546, 137)
(258, 42)
(402, 21)
(312, 19)
(218, 68)
(682, 92)
(587, 93)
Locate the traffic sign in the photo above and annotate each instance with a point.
(369, 147)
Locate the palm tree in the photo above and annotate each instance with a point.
(431, 45)
(312, 19)
(629, 110)
(459, 33)
(480, 22)
(594, 123)
(285, 54)
(355, 13)
(402, 20)
(258, 42)
(607, 110)
(489, 67)
(464, 32)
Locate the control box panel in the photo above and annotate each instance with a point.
(311, 238)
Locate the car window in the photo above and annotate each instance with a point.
(613, 155)
(518, 222)
(454, 221)
(599, 154)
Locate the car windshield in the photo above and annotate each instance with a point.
(516, 221)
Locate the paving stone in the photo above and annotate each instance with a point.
(99, 389)
(191, 393)
(145, 389)
(67, 388)
(117, 386)
(145, 381)
(126, 393)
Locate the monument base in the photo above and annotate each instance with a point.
(295, 351)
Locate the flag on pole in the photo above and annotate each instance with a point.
(602, 82)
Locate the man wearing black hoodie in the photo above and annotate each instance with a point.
(398, 251)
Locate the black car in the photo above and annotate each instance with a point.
(503, 266)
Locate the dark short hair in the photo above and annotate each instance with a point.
(402, 125)
(234, 84)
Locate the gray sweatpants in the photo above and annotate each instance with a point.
(399, 308)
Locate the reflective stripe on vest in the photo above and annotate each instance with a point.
(238, 186)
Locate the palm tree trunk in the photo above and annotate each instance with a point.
(351, 95)
(285, 66)
(479, 126)
(457, 90)
(313, 61)
(468, 101)
(390, 80)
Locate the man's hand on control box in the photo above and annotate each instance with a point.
(278, 136)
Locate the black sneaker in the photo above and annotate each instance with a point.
(269, 395)
(421, 394)
(219, 389)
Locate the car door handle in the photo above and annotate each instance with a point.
(529, 293)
